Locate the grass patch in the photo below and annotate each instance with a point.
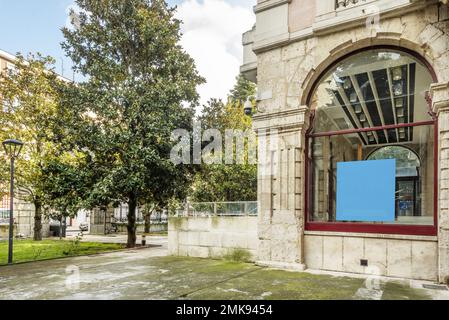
(238, 255)
(29, 250)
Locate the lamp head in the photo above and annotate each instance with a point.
(248, 107)
(12, 147)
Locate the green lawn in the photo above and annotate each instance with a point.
(28, 250)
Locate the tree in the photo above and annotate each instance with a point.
(225, 182)
(66, 185)
(140, 86)
(243, 89)
(30, 111)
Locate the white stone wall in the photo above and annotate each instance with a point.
(287, 68)
(211, 237)
(280, 189)
(440, 100)
(24, 221)
(387, 255)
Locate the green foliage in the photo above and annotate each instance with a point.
(243, 89)
(74, 245)
(29, 107)
(32, 113)
(222, 182)
(66, 186)
(141, 86)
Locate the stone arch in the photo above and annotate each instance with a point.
(345, 50)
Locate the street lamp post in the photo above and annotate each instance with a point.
(12, 149)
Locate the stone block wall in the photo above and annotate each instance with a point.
(440, 100)
(212, 237)
(24, 221)
(394, 256)
(280, 186)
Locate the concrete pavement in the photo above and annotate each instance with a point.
(120, 238)
(150, 274)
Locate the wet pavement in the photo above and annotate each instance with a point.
(120, 238)
(151, 274)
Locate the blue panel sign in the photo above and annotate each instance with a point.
(366, 190)
(405, 205)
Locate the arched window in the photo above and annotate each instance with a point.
(371, 147)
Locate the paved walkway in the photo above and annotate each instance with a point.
(150, 274)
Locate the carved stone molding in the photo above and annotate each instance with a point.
(440, 97)
(284, 121)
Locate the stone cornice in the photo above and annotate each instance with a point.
(280, 114)
(248, 67)
(348, 22)
(284, 121)
(271, 43)
(270, 4)
(331, 26)
(440, 97)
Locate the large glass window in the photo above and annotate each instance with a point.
(372, 107)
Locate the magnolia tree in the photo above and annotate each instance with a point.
(140, 86)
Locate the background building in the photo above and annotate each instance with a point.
(23, 211)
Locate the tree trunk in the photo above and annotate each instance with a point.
(148, 221)
(37, 221)
(132, 205)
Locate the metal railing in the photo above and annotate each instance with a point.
(4, 216)
(339, 4)
(208, 209)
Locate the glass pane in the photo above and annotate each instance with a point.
(372, 89)
(375, 88)
(414, 196)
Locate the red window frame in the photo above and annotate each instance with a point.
(402, 229)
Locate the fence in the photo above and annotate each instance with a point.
(206, 209)
(120, 215)
(4, 209)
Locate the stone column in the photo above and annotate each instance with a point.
(440, 101)
(281, 187)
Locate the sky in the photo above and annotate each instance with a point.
(212, 31)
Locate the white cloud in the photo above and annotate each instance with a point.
(212, 33)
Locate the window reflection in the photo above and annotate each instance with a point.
(374, 89)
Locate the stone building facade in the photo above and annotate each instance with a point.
(293, 47)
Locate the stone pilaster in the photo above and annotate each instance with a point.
(281, 187)
(440, 101)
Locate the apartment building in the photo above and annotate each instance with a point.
(23, 211)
